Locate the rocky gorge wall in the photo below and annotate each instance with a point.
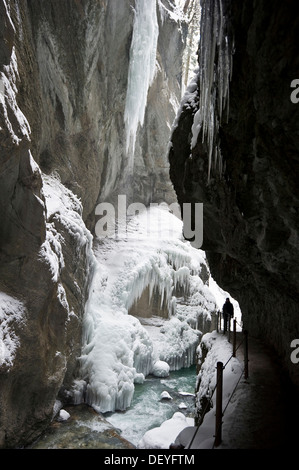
(64, 68)
(251, 198)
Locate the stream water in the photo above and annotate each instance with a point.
(148, 410)
(119, 430)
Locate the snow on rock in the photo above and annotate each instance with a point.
(160, 369)
(165, 396)
(186, 394)
(63, 208)
(163, 436)
(63, 415)
(189, 99)
(182, 406)
(19, 126)
(12, 313)
(217, 349)
(51, 251)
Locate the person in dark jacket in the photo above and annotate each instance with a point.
(228, 313)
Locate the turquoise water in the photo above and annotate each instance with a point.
(87, 429)
(148, 410)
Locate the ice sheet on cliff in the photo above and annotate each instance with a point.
(142, 67)
(63, 207)
(117, 350)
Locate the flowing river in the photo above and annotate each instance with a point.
(148, 410)
(87, 429)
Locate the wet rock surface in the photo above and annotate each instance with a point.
(85, 429)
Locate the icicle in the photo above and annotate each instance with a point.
(214, 75)
(141, 69)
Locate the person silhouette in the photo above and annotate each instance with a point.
(228, 313)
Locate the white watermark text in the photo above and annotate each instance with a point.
(295, 353)
(295, 94)
(113, 221)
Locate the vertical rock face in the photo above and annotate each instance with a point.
(63, 82)
(80, 85)
(251, 200)
(45, 246)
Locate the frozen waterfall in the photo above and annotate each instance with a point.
(141, 69)
(118, 348)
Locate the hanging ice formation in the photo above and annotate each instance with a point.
(118, 350)
(141, 68)
(213, 77)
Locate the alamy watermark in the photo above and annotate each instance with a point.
(295, 353)
(295, 94)
(115, 222)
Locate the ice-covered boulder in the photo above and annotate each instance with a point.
(63, 415)
(161, 369)
(165, 395)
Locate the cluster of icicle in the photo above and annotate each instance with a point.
(214, 75)
(158, 275)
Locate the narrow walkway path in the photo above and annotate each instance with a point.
(267, 411)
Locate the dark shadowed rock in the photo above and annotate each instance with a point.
(251, 207)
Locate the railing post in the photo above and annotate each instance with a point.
(235, 338)
(246, 354)
(219, 387)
